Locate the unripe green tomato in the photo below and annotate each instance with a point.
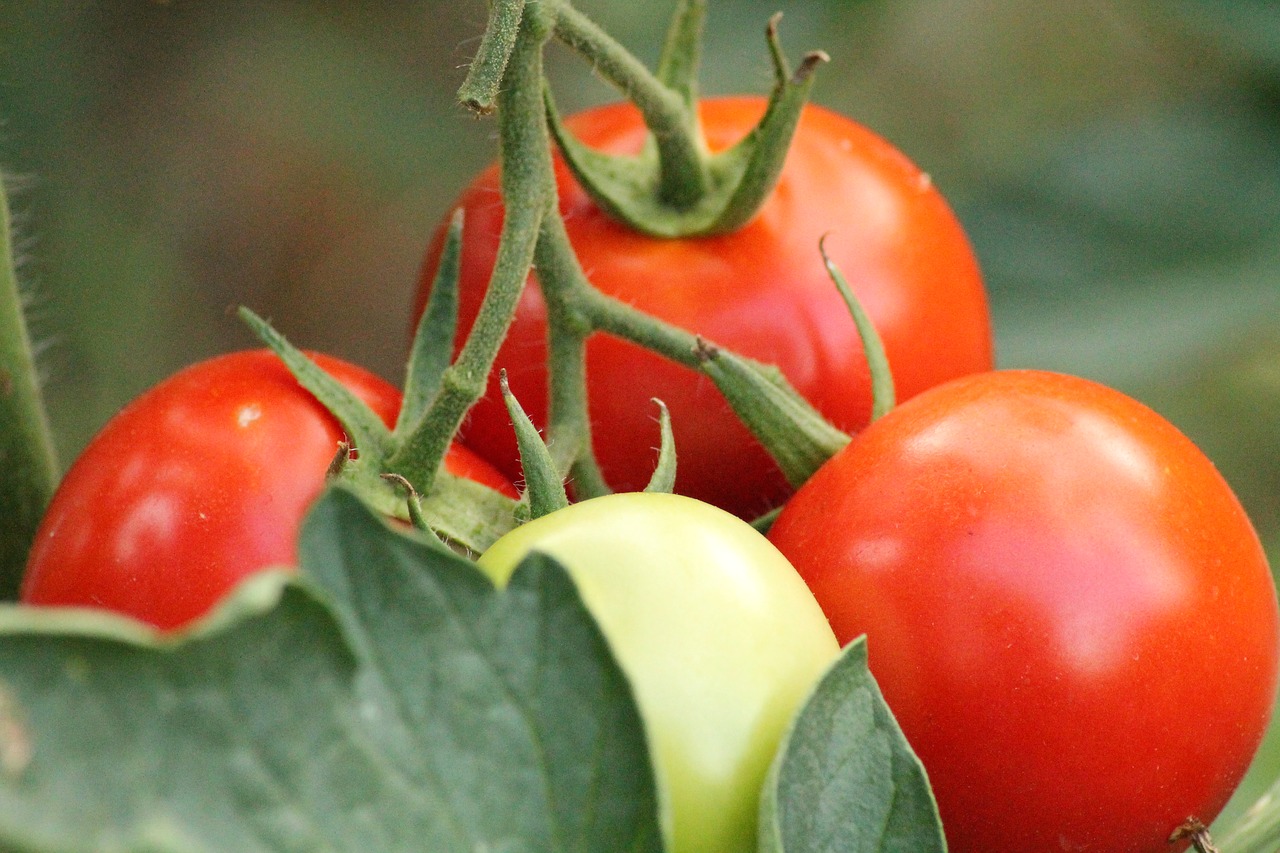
(718, 635)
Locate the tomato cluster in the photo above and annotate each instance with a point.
(1066, 607)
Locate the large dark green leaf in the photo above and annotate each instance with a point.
(392, 701)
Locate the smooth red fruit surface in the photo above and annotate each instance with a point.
(196, 484)
(1065, 606)
(762, 291)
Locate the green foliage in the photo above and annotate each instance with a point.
(391, 700)
(846, 779)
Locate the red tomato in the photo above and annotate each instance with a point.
(197, 483)
(1065, 606)
(762, 291)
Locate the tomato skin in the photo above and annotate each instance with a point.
(1065, 606)
(196, 484)
(762, 291)
(719, 637)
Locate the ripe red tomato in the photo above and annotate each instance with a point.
(1065, 606)
(197, 483)
(762, 291)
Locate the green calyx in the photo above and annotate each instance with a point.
(544, 483)
(798, 438)
(675, 187)
(400, 471)
(544, 480)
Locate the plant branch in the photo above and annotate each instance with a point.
(26, 444)
(568, 418)
(479, 91)
(528, 177)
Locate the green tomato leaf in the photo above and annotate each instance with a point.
(392, 700)
(845, 778)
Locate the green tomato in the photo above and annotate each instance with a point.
(718, 635)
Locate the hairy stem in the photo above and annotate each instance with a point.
(528, 179)
(568, 420)
(26, 444)
(479, 91)
(670, 118)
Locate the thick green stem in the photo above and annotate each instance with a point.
(629, 323)
(533, 231)
(26, 445)
(479, 91)
(672, 121)
(528, 179)
(793, 432)
(568, 420)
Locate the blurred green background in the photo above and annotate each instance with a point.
(1117, 163)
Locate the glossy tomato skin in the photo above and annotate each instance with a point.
(1065, 606)
(762, 291)
(197, 483)
(716, 632)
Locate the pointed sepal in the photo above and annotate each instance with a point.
(883, 395)
(682, 51)
(544, 487)
(437, 328)
(366, 430)
(794, 433)
(717, 196)
(664, 473)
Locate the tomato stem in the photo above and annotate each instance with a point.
(668, 112)
(26, 443)
(527, 176)
(791, 430)
(533, 232)
(674, 187)
(569, 423)
(479, 91)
